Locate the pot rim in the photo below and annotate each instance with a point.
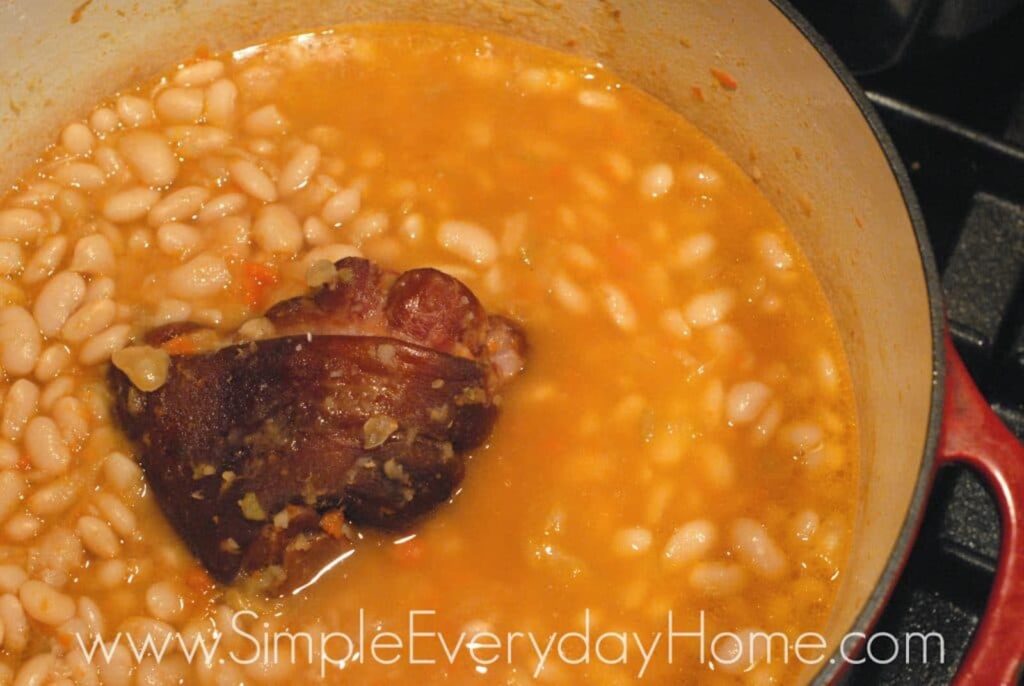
(875, 603)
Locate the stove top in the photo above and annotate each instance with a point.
(956, 114)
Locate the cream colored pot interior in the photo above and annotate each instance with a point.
(791, 121)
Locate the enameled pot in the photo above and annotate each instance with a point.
(795, 120)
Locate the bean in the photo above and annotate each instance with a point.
(77, 139)
(46, 259)
(53, 360)
(57, 300)
(195, 141)
(45, 604)
(11, 578)
(298, 170)
(252, 180)
(89, 320)
(98, 538)
(111, 163)
(19, 408)
(9, 455)
(46, 448)
(689, 542)
(656, 180)
(121, 471)
(277, 230)
(165, 601)
(91, 614)
(178, 240)
(221, 206)
(180, 105)
(93, 255)
(469, 241)
(53, 498)
(54, 391)
(619, 307)
(150, 158)
(202, 276)
(631, 541)
(757, 549)
(11, 258)
(16, 627)
(21, 224)
(694, 250)
(745, 401)
(103, 120)
(100, 347)
(178, 206)
(773, 251)
(266, 121)
(72, 417)
(130, 205)
(709, 308)
(20, 340)
(569, 295)
(169, 311)
(83, 175)
(342, 206)
(135, 111)
(12, 488)
(118, 515)
(221, 96)
(22, 527)
(199, 73)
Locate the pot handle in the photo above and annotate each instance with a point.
(973, 435)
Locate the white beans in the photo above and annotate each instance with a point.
(19, 407)
(20, 341)
(120, 517)
(164, 601)
(202, 276)
(121, 471)
(569, 295)
(20, 224)
(100, 347)
(9, 455)
(342, 206)
(656, 180)
(695, 249)
(632, 541)
(253, 180)
(130, 205)
(266, 121)
(57, 300)
(756, 548)
(221, 206)
(103, 120)
(689, 542)
(83, 175)
(45, 604)
(77, 139)
(277, 230)
(195, 141)
(469, 241)
(135, 111)
(178, 240)
(618, 307)
(72, 417)
(745, 401)
(180, 105)
(717, 578)
(46, 259)
(178, 206)
(220, 102)
(199, 73)
(709, 308)
(53, 498)
(93, 255)
(89, 320)
(150, 157)
(12, 489)
(46, 448)
(773, 252)
(15, 624)
(53, 360)
(11, 258)
(298, 170)
(11, 579)
(98, 538)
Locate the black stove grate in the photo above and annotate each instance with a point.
(956, 115)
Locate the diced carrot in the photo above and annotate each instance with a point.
(410, 553)
(180, 345)
(257, 278)
(698, 93)
(725, 79)
(333, 524)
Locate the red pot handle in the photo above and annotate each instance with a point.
(973, 435)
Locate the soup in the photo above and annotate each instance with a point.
(679, 454)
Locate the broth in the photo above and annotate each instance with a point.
(682, 441)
